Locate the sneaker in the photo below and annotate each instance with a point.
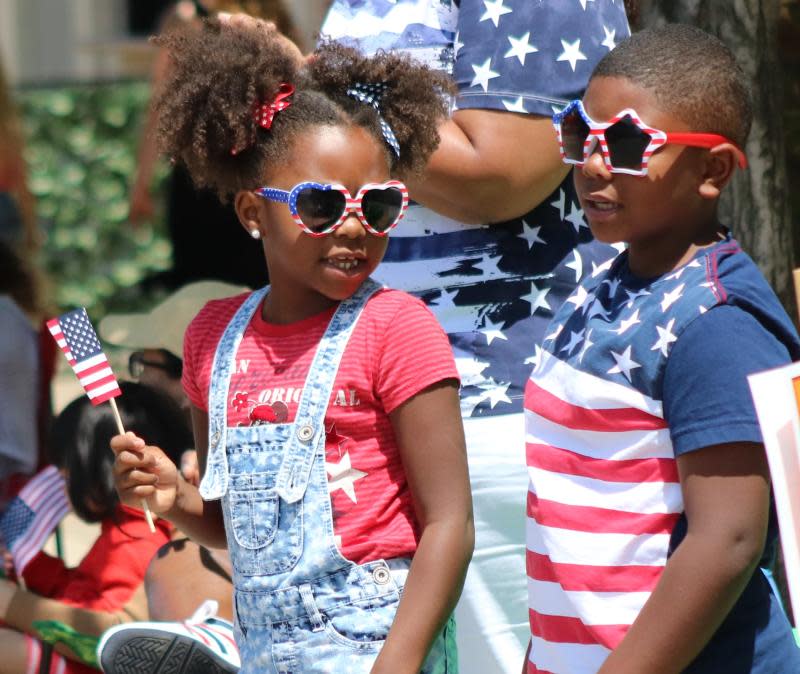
(201, 645)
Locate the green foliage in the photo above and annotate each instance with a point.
(81, 144)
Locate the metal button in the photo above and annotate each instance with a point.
(381, 575)
(305, 433)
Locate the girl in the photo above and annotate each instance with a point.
(326, 408)
(106, 586)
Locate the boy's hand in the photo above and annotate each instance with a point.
(144, 472)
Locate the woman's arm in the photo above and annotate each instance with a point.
(145, 472)
(490, 166)
(430, 435)
(726, 499)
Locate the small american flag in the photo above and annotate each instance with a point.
(32, 515)
(75, 335)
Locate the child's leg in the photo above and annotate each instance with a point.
(14, 648)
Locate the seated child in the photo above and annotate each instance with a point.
(649, 498)
(106, 587)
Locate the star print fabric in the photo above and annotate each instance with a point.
(604, 502)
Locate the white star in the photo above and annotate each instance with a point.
(629, 322)
(586, 344)
(583, 4)
(576, 217)
(470, 370)
(536, 358)
(537, 298)
(597, 309)
(492, 331)
(560, 204)
(483, 74)
(343, 476)
(576, 264)
(665, 338)
(670, 298)
(674, 276)
(613, 284)
(497, 393)
(633, 296)
(488, 265)
(531, 235)
(575, 338)
(624, 363)
(457, 44)
(514, 106)
(445, 299)
(579, 297)
(520, 47)
(494, 10)
(598, 269)
(572, 53)
(608, 40)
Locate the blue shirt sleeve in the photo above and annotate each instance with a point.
(530, 56)
(705, 394)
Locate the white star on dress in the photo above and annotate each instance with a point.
(343, 476)
(672, 297)
(494, 10)
(576, 265)
(665, 338)
(629, 322)
(531, 235)
(515, 106)
(624, 363)
(587, 342)
(576, 217)
(520, 47)
(633, 296)
(560, 204)
(492, 331)
(579, 297)
(608, 40)
(572, 53)
(537, 298)
(575, 338)
(483, 74)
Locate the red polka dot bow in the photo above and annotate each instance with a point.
(265, 112)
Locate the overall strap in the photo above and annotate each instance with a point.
(215, 480)
(309, 423)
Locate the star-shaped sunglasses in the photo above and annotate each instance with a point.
(320, 209)
(626, 142)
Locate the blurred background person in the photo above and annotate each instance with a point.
(207, 241)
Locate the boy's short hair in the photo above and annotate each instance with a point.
(692, 74)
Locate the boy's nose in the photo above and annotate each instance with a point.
(351, 227)
(594, 166)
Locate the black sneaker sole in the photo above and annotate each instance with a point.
(148, 651)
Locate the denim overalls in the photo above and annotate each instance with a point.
(300, 606)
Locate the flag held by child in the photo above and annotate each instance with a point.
(32, 515)
(75, 335)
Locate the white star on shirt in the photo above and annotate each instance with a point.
(531, 235)
(445, 299)
(586, 344)
(670, 298)
(560, 204)
(555, 333)
(608, 40)
(457, 44)
(572, 53)
(598, 269)
(537, 298)
(483, 74)
(520, 47)
(583, 4)
(576, 217)
(624, 363)
(629, 322)
(492, 331)
(514, 106)
(343, 476)
(665, 338)
(494, 10)
(633, 296)
(488, 265)
(575, 338)
(579, 297)
(576, 265)
(496, 394)
(536, 358)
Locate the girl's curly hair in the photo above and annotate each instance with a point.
(220, 74)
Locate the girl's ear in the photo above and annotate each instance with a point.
(721, 162)
(247, 205)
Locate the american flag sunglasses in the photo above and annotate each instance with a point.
(320, 209)
(626, 142)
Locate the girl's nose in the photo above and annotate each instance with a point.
(351, 228)
(594, 166)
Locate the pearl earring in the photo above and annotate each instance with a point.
(255, 233)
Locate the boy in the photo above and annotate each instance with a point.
(648, 502)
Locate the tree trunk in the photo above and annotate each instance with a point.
(756, 205)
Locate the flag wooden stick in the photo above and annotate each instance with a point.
(121, 430)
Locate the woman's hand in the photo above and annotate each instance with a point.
(144, 472)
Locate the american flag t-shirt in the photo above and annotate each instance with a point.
(76, 337)
(32, 515)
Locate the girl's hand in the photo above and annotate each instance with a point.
(144, 472)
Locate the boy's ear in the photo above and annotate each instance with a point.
(247, 205)
(721, 162)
